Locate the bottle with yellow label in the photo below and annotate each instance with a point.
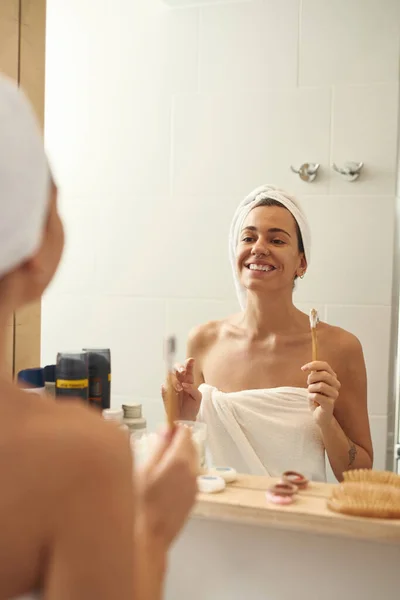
(72, 375)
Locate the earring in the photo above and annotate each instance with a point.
(302, 276)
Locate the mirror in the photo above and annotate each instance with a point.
(160, 120)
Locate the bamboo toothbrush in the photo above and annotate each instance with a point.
(172, 399)
(314, 320)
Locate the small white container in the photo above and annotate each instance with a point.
(210, 484)
(134, 420)
(113, 414)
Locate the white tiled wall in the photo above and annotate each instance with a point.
(159, 120)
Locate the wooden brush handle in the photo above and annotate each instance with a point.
(314, 350)
(314, 344)
(172, 401)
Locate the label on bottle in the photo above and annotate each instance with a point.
(72, 384)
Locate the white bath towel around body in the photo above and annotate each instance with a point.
(263, 432)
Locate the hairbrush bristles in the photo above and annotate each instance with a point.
(373, 477)
(314, 318)
(366, 500)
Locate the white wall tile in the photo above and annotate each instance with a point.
(372, 326)
(165, 247)
(379, 441)
(349, 42)
(94, 155)
(132, 328)
(77, 270)
(183, 315)
(100, 116)
(228, 144)
(237, 42)
(351, 257)
(365, 128)
(160, 52)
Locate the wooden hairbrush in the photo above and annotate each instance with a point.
(363, 499)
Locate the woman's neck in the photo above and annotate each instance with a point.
(271, 315)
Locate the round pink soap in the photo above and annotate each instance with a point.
(275, 499)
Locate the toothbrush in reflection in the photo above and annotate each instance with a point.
(314, 320)
(172, 401)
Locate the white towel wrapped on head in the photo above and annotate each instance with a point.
(258, 195)
(24, 179)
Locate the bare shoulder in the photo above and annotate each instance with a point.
(202, 337)
(74, 430)
(61, 440)
(55, 459)
(344, 347)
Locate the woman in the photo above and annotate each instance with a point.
(249, 376)
(73, 523)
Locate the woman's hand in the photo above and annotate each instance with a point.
(188, 394)
(323, 391)
(167, 486)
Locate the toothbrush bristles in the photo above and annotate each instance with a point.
(170, 350)
(314, 318)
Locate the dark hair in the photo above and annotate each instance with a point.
(270, 202)
(300, 243)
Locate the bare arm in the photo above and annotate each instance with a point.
(347, 438)
(151, 563)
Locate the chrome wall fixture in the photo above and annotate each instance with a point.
(350, 170)
(307, 171)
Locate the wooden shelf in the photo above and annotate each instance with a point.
(244, 502)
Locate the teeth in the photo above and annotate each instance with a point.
(260, 267)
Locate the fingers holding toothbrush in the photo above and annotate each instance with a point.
(323, 390)
(189, 394)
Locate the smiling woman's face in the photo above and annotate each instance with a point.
(268, 255)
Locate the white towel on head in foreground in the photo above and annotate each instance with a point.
(263, 432)
(24, 179)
